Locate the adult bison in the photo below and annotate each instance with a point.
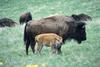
(69, 27)
(25, 17)
(6, 22)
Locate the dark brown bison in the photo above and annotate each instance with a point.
(25, 17)
(6, 22)
(68, 27)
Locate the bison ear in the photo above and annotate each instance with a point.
(81, 17)
(75, 17)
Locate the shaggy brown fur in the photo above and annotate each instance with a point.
(6, 22)
(48, 39)
(25, 17)
(67, 27)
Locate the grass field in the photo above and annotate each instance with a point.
(12, 49)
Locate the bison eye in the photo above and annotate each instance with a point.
(83, 27)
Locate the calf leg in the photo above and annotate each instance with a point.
(53, 49)
(38, 48)
(59, 50)
(56, 49)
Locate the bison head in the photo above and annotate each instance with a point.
(80, 30)
(25, 17)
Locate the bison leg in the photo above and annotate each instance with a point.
(33, 45)
(27, 46)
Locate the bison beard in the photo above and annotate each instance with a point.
(67, 27)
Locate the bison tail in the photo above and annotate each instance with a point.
(81, 17)
(26, 35)
(26, 39)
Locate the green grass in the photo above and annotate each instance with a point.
(12, 48)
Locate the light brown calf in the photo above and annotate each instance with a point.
(48, 39)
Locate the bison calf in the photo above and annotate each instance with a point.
(48, 39)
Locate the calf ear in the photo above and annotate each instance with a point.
(81, 17)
